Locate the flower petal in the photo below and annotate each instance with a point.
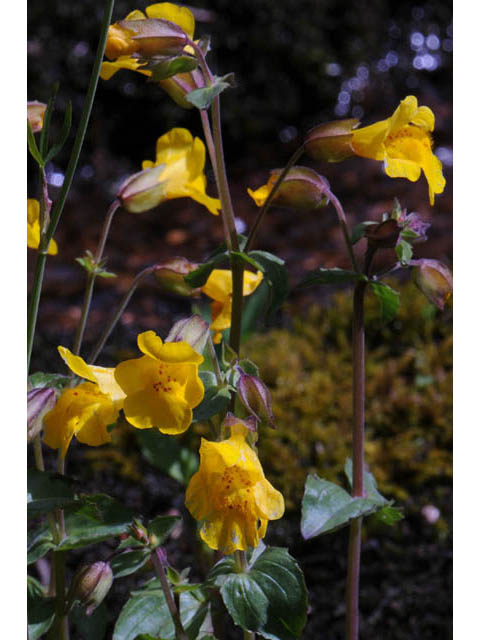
(167, 412)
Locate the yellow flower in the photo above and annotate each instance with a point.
(86, 410)
(230, 495)
(219, 287)
(35, 115)
(162, 387)
(120, 44)
(33, 227)
(404, 143)
(177, 172)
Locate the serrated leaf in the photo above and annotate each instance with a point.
(389, 300)
(330, 276)
(215, 400)
(404, 252)
(358, 231)
(47, 491)
(40, 380)
(146, 612)
(129, 562)
(170, 66)
(276, 276)
(161, 527)
(167, 453)
(203, 98)
(369, 484)
(32, 146)
(67, 124)
(327, 507)
(270, 599)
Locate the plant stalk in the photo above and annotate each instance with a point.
(91, 276)
(180, 633)
(72, 165)
(342, 219)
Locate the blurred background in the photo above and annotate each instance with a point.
(297, 63)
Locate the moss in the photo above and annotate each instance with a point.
(408, 396)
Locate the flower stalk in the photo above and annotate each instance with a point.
(180, 633)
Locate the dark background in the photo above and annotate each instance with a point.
(297, 63)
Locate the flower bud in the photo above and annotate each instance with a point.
(194, 330)
(434, 280)
(91, 584)
(145, 38)
(39, 402)
(383, 235)
(35, 114)
(303, 188)
(170, 276)
(143, 191)
(255, 397)
(331, 141)
(181, 84)
(138, 531)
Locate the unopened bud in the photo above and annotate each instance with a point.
(35, 114)
(434, 280)
(181, 84)
(194, 330)
(383, 235)
(39, 402)
(255, 397)
(91, 584)
(170, 276)
(331, 141)
(143, 191)
(138, 531)
(303, 188)
(145, 38)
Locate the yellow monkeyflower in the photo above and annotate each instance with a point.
(162, 387)
(230, 495)
(403, 142)
(178, 172)
(86, 410)
(33, 227)
(122, 44)
(219, 287)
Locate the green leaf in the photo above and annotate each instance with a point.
(404, 252)
(47, 491)
(67, 124)
(32, 146)
(389, 300)
(269, 599)
(359, 230)
(330, 276)
(198, 277)
(369, 484)
(203, 98)
(146, 612)
(93, 627)
(39, 380)
(129, 562)
(39, 542)
(166, 453)
(161, 527)
(40, 613)
(215, 400)
(249, 367)
(100, 517)
(327, 507)
(170, 66)
(390, 515)
(275, 274)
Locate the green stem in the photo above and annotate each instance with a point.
(92, 276)
(72, 165)
(180, 633)
(344, 226)
(118, 313)
(266, 205)
(213, 357)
